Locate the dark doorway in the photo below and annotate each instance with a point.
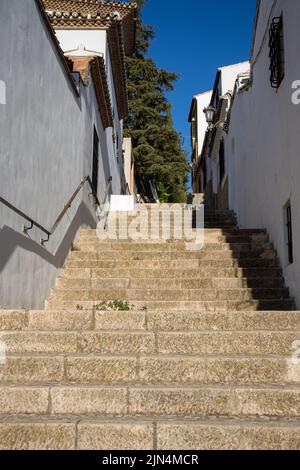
(95, 161)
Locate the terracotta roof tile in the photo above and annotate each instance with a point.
(90, 6)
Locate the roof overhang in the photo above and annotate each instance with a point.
(99, 77)
(93, 14)
(117, 55)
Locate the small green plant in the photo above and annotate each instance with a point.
(75, 248)
(144, 308)
(136, 258)
(117, 305)
(79, 307)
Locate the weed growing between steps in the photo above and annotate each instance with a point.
(75, 248)
(114, 305)
(118, 305)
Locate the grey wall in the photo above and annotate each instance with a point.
(46, 137)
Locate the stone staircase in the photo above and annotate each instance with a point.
(194, 352)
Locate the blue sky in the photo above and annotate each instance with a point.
(194, 38)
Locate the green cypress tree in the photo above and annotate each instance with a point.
(157, 145)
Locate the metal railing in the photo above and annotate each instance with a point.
(50, 232)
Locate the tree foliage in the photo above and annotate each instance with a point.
(157, 145)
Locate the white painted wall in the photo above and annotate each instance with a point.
(228, 78)
(264, 141)
(115, 148)
(229, 75)
(46, 140)
(96, 41)
(129, 164)
(93, 40)
(203, 100)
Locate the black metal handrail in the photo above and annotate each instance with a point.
(50, 232)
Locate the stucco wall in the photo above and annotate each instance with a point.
(229, 74)
(92, 40)
(46, 137)
(203, 101)
(264, 141)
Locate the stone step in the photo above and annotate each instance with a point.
(159, 320)
(165, 435)
(171, 370)
(214, 402)
(210, 236)
(227, 435)
(148, 402)
(182, 227)
(171, 256)
(173, 264)
(161, 218)
(178, 283)
(168, 294)
(162, 320)
(57, 342)
(180, 246)
(247, 233)
(205, 306)
(164, 343)
(200, 273)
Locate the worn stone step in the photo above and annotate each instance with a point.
(176, 255)
(37, 435)
(217, 370)
(200, 273)
(158, 283)
(256, 233)
(198, 402)
(53, 342)
(87, 320)
(168, 294)
(176, 370)
(209, 306)
(215, 321)
(172, 370)
(152, 320)
(210, 236)
(210, 342)
(164, 246)
(227, 343)
(242, 402)
(183, 229)
(223, 435)
(173, 264)
(32, 370)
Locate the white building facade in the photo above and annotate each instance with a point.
(61, 120)
(263, 141)
(251, 148)
(198, 135)
(209, 171)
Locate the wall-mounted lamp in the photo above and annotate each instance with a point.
(210, 113)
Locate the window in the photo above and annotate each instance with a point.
(95, 161)
(276, 45)
(222, 160)
(289, 232)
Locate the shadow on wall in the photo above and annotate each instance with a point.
(10, 240)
